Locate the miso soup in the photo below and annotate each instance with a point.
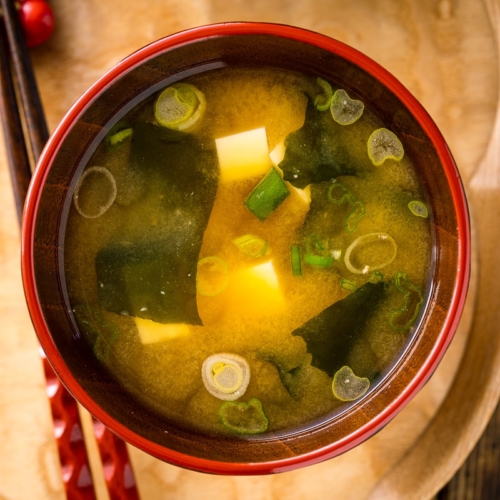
(248, 250)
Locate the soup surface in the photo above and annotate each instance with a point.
(248, 250)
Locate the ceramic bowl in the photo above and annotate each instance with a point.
(152, 68)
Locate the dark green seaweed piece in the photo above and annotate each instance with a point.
(331, 334)
(100, 332)
(149, 280)
(314, 153)
(149, 271)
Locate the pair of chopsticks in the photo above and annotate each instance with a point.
(26, 133)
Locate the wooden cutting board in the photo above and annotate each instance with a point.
(446, 53)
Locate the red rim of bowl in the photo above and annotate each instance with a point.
(452, 318)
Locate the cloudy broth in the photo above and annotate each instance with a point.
(249, 250)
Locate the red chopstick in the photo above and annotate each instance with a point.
(22, 154)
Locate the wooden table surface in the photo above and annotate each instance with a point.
(446, 53)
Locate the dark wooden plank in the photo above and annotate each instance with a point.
(479, 476)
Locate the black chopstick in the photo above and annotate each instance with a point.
(29, 97)
(17, 154)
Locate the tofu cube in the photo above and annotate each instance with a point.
(151, 332)
(243, 156)
(255, 291)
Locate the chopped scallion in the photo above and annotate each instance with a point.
(384, 145)
(322, 101)
(352, 219)
(402, 319)
(226, 376)
(345, 110)
(296, 263)
(267, 196)
(244, 418)
(348, 285)
(117, 135)
(346, 386)
(418, 208)
(378, 250)
(117, 138)
(179, 107)
(376, 277)
(338, 193)
(318, 260)
(251, 246)
(99, 193)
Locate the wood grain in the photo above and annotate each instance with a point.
(478, 477)
(445, 53)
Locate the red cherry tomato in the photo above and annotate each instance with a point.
(37, 20)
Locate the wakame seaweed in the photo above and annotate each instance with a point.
(315, 152)
(150, 269)
(330, 336)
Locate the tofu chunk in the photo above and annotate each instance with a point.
(151, 332)
(243, 156)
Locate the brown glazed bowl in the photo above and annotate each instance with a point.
(50, 195)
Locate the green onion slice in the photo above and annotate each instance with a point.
(419, 209)
(117, 138)
(296, 262)
(348, 285)
(322, 101)
(251, 246)
(376, 277)
(318, 260)
(179, 107)
(401, 319)
(352, 219)
(384, 145)
(226, 376)
(347, 387)
(267, 196)
(244, 418)
(95, 192)
(117, 135)
(338, 193)
(370, 252)
(345, 110)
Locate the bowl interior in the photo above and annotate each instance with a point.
(145, 73)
